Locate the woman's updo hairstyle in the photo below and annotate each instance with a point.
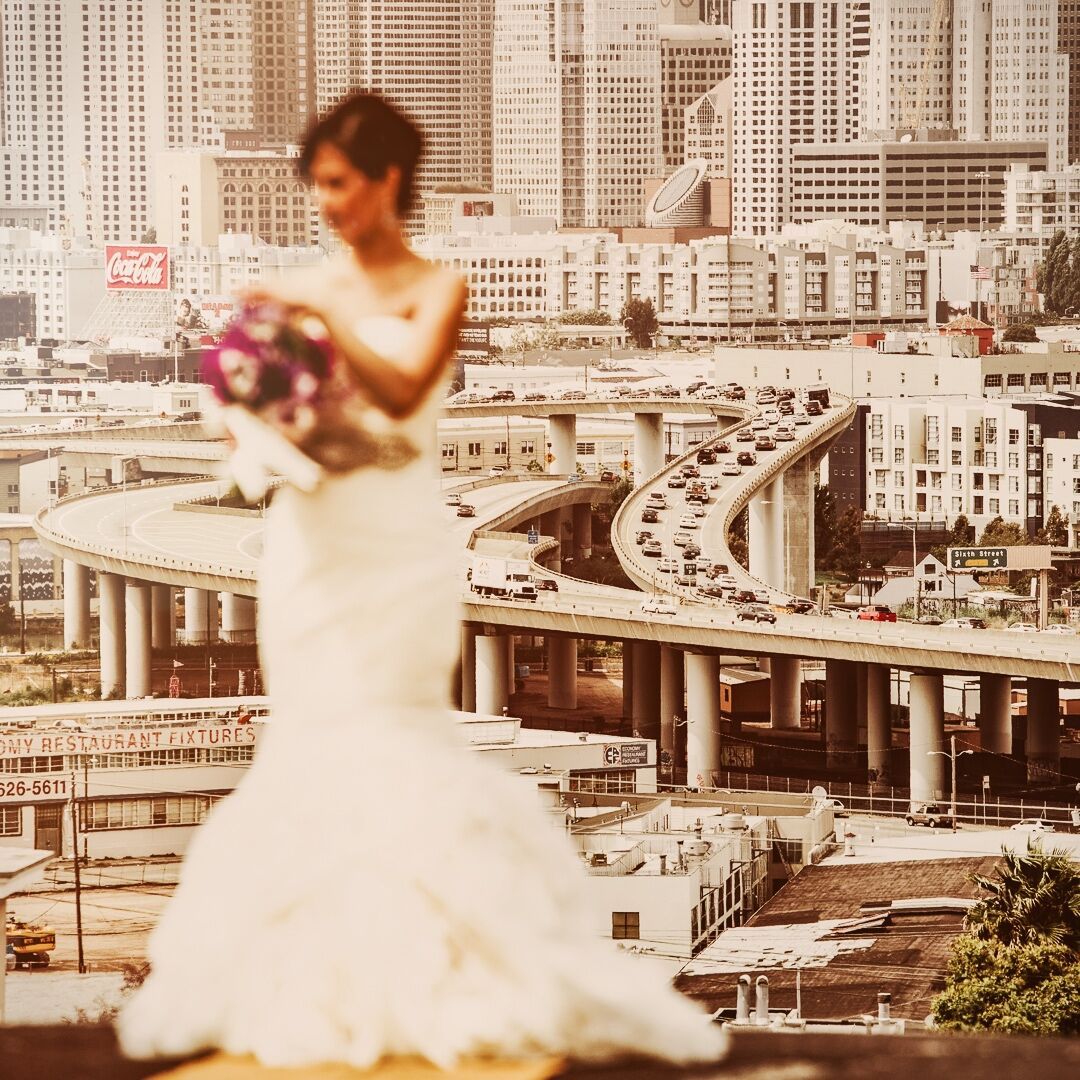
(373, 135)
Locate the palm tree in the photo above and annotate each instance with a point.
(1033, 897)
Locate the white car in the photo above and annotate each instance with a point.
(668, 566)
(759, 423)
(497, 470)
(801, 418)
(771, 416)
(731, 468)
(681, 539)
(1022, 628)
(657, 500)
(1059, 628)
(698, 511)
(660, 605)
(453, 499)
(688, 521)
(1033, 825)
(762, 596)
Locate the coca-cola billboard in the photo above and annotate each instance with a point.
(137, 266)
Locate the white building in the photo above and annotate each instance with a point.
(577, 108)
(708, 126)
(930, 458)
(1061, 482)
(1042, 202)
(67, 283)
(793, 72)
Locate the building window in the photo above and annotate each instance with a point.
(933, 457)
(528, 446)
(10, 820)
(501, 448)
(626, 924)
(142, 813)
(449, 450)
(474, 449)
(898, 455)
(957, 457)
(877, 455)
(957, 434)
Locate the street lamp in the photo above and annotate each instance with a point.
(952, 755)
(915, 594)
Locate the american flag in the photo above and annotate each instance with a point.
(980, 273)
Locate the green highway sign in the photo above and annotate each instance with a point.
(978, 558)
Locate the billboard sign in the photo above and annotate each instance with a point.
(143, 267)
(626, 754)
(1018, 557)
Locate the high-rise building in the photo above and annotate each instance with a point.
(792, 81)
(1069, 43)
(576, 89)
(431, 58)
(695, 56)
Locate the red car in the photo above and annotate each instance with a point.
(876, 613)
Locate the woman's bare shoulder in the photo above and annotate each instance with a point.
(437, 285)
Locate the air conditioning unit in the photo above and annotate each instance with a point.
(599, 858)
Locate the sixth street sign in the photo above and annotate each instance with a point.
(978, 558)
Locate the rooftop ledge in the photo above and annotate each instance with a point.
(90, 1053)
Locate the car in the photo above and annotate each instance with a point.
(657, 500)
(928, 620)
(546, 584)
(686, 576)
(690, 471)
(452, 499)
(696, 510)
(759, 423)
(649, 515)
(676, 481)
(660, 605)
(764, 442)
(466, 510)
(765, 397)
(714, 482)
(691, 551)
(797, 606)
(643, 535)
(652, 549)
(785, 433)
(704, 564)
(695, 386)
(535, 395)
(1022, 628)
(573, 395)
(745, 435)
(712, 592)
(667, 566)
(785, 408)
(688, 521)
(1033, 825)
(876, 613)
(706, 456)
(735, 392)
(722, 447)
(504, 395)
(731, 468)
(696, 498)
(762, 596)
(785, 394)
(813, 408)
(756, 613)
(801, 418)
(745, 596)
(497, 470)
(964, 624)
(607, 477)
(746, 457)
(931, 814)
(1059, 628)
(681, 539)
(771, 416)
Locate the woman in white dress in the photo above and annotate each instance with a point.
(372, 888)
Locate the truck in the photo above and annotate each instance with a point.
(510, 579)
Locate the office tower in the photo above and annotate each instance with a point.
(1069, 43)
(576, 89)
(792, 78)
(432, 58)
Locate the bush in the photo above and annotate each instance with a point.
(1020, 332)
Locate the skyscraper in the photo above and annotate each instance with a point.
(1069, 43)
(576, 89)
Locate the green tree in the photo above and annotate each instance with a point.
(1020, 332)
(1002, 533)
(737, 543)
(1021, 989)
(1031, 897)
(639, 318)
(9, 621)
(1047, 271)
(1056, 530)
(846, 552)
(824, 526)
(583, 317)
(960, 535)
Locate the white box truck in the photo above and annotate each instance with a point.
(509, 578)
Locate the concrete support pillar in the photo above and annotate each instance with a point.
(672, 708)
(16, 572)
(468, 668)
(766, 539)
(111, 635)
(878, 723)
(551, 525)
(491, 674)
(212, 616)
(926, 720)
(511, 667)
(76, 605)
(137, 639)
(162, 616)
(797, 509)
(195, 617)
(647, 689)
(1042, 746)
(237, 618)
(648, 445)
(702, 719)
(562, 434)
(841, 716)
(995, 713)
(582, 530)
(785, 691)
(627, 680)
(562, 671)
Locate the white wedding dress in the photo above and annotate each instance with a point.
(373, 888)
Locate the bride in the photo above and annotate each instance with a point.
(372, 888)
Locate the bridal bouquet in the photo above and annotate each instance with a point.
(290, 402)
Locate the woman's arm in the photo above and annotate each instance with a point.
(399, 386)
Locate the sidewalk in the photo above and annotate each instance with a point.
(108, 873)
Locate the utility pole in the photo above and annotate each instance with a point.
(952, 755)
(78, 880)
